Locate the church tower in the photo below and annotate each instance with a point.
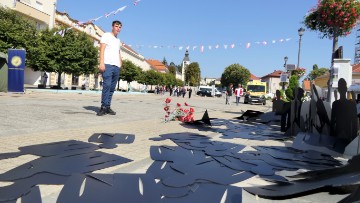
(184, 65)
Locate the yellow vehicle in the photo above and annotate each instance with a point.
(255, 92)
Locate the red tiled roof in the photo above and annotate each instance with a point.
(356, 68)
(253, 77)
(275, 74)
(156, 65)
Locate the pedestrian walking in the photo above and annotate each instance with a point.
(183, 91)
(171, 90)
(229, 92)
(101, 84)
(110, 63)
(190, 91)
(45, 77)
(238, 93)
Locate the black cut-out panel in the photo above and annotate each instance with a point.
(125, 188)
(109, 140)
(22, 187)
(65, 165)
(209, 193)
(348, 174)
(53, 149)
(211, 171)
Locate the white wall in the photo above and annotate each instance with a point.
(138, 60)
(31, 77)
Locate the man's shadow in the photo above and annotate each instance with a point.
(92, 108)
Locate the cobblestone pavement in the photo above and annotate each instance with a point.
(38, 117)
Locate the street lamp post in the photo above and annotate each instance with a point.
(285, 60)
(301, 33)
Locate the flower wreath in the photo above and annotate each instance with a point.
(178, 113)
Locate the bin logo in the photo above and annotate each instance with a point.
(16, 61)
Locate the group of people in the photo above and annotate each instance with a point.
(238, 92)
(178, 91)
(160, 90)
(175, 91)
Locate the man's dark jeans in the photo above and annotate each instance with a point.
(110, 77)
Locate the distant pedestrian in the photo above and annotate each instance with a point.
(175, 91)
(101, 84)
(229, 92)
(171, 90)
(183, 91)
(83, 84)
(110, 63)
(190, 91)
(238, 94)
(45, 77)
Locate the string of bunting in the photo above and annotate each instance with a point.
(92, 20)
(106, 15)
(201, 48)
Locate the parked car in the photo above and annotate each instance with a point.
(207, 90)
(204, 93)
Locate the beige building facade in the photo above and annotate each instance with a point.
(42, 13)
(75, 81)
(92, 81)
(272, 81)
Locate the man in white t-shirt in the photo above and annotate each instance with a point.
(238, 93)
(110, 63)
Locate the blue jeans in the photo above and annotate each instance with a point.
(110, 77)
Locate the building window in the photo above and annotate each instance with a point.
(90, 30)
(26, 2)
(39, 6)
(75, 80)
(40, 26)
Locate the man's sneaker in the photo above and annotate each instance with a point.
(110, 111)
(101, 112)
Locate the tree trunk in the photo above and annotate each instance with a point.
(59, 81)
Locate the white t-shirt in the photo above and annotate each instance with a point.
(239, 91)
(112, 49)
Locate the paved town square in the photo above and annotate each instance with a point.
(39, 117)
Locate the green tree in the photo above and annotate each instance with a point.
(316, 73)
(141, 77)
(15, 31)
(315, 67)
(192, 74)
(172, 69)
(179, 68)
(73, 53)
(130, 72)
(179, 82)
(293, 83)
(153, 77)
(164, 61)
(334, 19)
(235, 74)
(169, 79)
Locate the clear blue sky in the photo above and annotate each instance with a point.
(210, 23)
